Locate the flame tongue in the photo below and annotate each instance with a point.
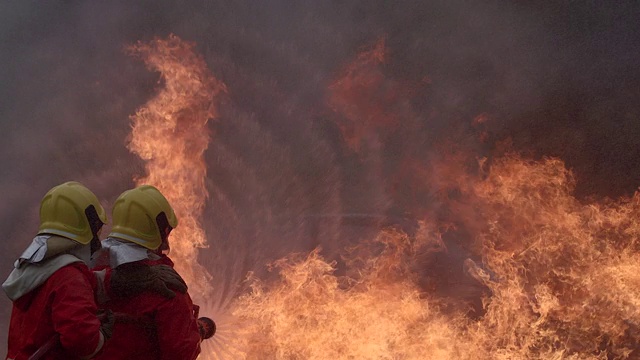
(170, 133)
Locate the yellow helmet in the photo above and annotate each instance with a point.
(73, 211)
(143, 216)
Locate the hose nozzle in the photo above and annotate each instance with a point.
(206, 327)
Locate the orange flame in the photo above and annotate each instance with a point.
(564, 280)
(365, 97)
(563, 276)
(170, 133)
(567, 273)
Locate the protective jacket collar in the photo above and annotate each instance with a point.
(116, 252)
(44, 256)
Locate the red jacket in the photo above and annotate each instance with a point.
(65, 305)
(153, 328)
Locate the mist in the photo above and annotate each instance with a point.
(559, 79)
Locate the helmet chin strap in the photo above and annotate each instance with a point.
(164, 248)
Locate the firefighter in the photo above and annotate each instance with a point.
(52, 288)
(151, 326)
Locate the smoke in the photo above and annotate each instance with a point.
(558, 79)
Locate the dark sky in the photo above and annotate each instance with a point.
(557, 78)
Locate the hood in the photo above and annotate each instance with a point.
(116, 252)
(44, 256)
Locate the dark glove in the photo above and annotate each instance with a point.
(128, 280)
(107, 320)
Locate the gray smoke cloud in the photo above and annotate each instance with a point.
(559, 79)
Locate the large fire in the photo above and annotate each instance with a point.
(561, 276)
(564, 281)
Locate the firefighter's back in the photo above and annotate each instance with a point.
(63, 306)
(152, 327)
